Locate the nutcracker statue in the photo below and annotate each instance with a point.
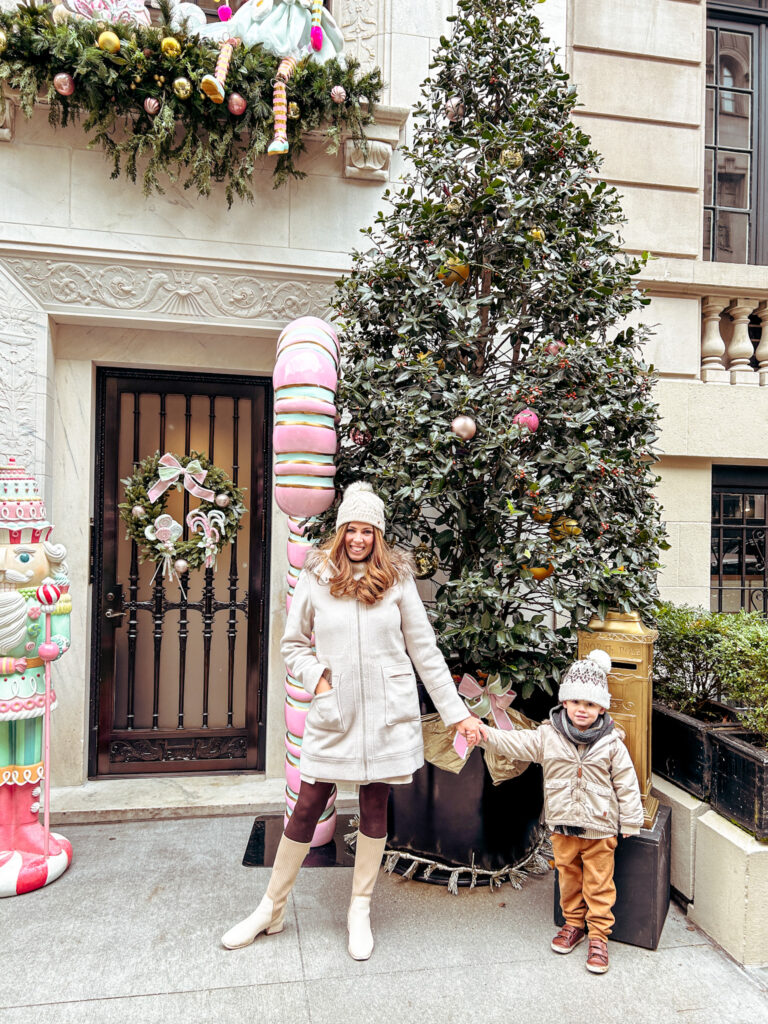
(34, 631)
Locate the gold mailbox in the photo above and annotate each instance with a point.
(630, 645)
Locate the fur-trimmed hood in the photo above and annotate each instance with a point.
(318, 561)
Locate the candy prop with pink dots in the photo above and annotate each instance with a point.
(304, 440)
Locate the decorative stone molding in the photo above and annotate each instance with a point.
(371, 166)
(7, 117)
(160, 290)
(361, 24)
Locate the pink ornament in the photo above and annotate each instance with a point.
(64, 83)
(338, 94)
(34, 611)
(48, 650)
(464, 427)
(48, 595)
(152, 106)
(527, 418)
(236, 104)
(554, 347)
(224, 12)
(316, 37)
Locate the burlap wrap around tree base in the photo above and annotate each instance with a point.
(439, 749)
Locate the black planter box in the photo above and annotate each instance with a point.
(740, 780)
(681, 748)
(642, 885)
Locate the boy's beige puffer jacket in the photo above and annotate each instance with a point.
(368, 726)
(590, 786)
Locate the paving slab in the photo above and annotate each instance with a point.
(132, 931)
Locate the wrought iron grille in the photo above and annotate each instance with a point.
(739, 577)
(178, 666)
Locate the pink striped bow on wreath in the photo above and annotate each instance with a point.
(170, 469)
(488, 700)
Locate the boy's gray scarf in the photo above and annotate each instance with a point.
(560, 720)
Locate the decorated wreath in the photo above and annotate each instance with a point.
(159, 537)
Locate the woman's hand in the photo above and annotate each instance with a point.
(468, 728)
(323, 686)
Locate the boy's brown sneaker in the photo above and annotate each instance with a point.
(597, 957)
(568, 938)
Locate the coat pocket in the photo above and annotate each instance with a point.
(401, 699)
(325, 711)
(598, 799)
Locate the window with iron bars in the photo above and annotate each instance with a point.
(739, 556)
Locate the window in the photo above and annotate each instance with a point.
(736, 133)
(739, 578)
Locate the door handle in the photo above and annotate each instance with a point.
(111, 614)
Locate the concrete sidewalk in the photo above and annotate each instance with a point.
(131, 932)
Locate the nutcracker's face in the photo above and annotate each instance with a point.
(23, 565)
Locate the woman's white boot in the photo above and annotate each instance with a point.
(368, 854)
(270, 914)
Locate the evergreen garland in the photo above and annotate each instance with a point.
(192, 140)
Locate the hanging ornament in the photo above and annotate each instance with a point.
(171, 47)
(554, 347)
(540, 572)
(182, 87)
(360, 437)
(571, 527)
(454, 109)
(563, 527)
(64, 83)
(236, 104)
(3, 40)
(293, 111)
(527, 418)
(222, 500)
(464, 427)
(426, 561)
(181, 565)
(540, 515)
(138, 512)
(537, 235)
(454, 205)
(109, 42)
(338, 94)
(511, 158)
(152, 105)
(455, 270)
(224, 12)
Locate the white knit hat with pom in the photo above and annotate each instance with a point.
(361, 505)
(588, 680)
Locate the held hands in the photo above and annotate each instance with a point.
(471, 729)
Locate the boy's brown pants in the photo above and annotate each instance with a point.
(587, 892)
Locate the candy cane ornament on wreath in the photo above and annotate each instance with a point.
(210, 526)
(48, 596)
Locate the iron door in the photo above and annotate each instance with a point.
(178, 672)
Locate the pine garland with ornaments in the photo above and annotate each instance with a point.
(138, 90)
(492, 398)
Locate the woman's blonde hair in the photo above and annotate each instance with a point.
(380, 573)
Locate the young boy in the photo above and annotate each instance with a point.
(590, 795)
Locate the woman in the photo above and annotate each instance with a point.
(360, 600)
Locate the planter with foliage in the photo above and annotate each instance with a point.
(740, 780)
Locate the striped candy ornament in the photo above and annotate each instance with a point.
(48, 595)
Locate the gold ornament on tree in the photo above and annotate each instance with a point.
(109, 42)
(511, 158)
(182, 87)
(293, 111)
(455, 270)
(426, 561)
(171, 47)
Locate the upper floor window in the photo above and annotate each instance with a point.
(736, 133)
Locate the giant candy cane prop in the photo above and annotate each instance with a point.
(305, 378)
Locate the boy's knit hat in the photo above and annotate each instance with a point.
(361, 505)
(588, 680)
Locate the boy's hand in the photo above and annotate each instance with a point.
(467, 727)
(482, 729)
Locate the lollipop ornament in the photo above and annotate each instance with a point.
(48, 596)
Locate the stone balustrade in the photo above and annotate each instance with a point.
(734, 340)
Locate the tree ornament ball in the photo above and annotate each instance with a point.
(570, 527)
(109, 42)
(454, 205)
(171, 47)
(224, 12)
(293, 111)
(426, 561)
(537, 234)
(236, 104)
(464, 427)
(338, 94)
(540, 572)
(361, 437)
(221, 500)
(64, 83)
(182, 87)
(554, 347)
(455, 270)
(138, 512)
(527, 418)
(3, 40)
(511, 158)
(180, 566)
(454, 109)
(540, 515)
(152, 105)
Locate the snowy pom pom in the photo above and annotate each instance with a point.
(601, 658)
(357, 487)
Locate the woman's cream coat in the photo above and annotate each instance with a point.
(590, 786)
(368, 726)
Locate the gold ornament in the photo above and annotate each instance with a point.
(540, 515)
(537, 234)
(293, 111)
(171, 47)
(454, 205)
(540, 572)
(571, 527)
(182, 87)
(3, 40)
(511, 158)
(426, 561)
(109, 42)
(455, 270)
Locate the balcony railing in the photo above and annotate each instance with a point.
(734, 340)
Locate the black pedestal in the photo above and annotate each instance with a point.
(642, 885)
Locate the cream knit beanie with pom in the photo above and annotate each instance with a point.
(361, 505)
(588, 680)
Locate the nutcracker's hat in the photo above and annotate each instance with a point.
(22, 512)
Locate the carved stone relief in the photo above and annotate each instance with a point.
(359, 20)
(371, 166)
